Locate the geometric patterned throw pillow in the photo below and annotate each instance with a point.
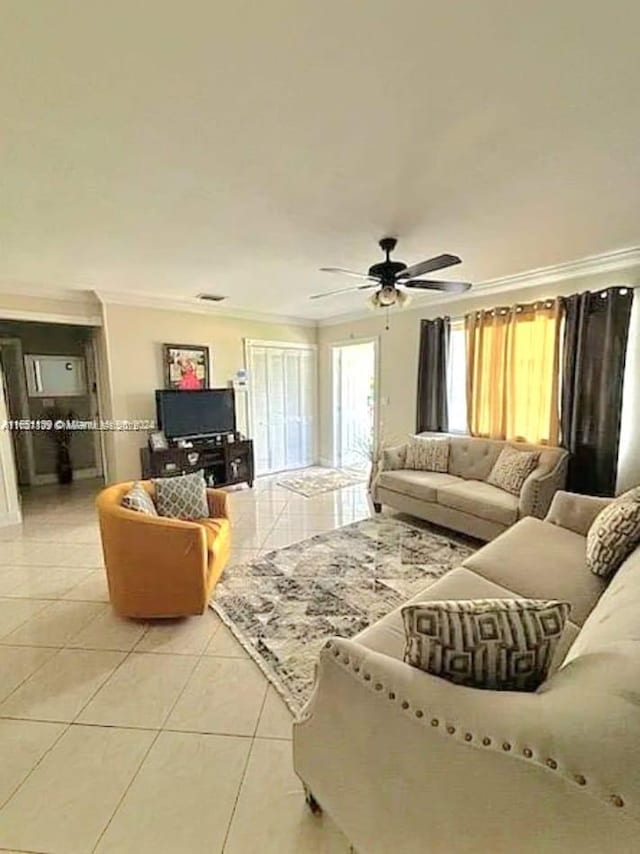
(512, 468)
(427, 454)
(139, 499)
(498, 644)
(182, 497)
(614, 534)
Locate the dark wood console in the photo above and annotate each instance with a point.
(224, 465)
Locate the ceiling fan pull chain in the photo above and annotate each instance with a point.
(387, 321)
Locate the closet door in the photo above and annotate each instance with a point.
(276, 391)
(282, 386)
(293, 410)
(259, 407)
(308, 392)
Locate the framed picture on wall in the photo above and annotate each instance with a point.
(186, 366)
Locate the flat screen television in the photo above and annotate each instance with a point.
(195, 414)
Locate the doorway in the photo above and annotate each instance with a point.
(50, 374)
(354, 402)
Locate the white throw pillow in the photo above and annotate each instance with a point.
(426, 453)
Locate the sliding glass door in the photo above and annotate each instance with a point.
(282, 405)
(354, 402)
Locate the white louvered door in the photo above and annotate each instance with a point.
(282, 397)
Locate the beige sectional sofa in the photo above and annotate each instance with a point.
(461, 499)
(406, 762)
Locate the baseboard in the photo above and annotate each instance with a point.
(78, 474)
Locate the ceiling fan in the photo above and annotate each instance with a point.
(388, 276)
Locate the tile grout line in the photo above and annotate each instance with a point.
(134, 728)
(159, 731)
(246, 766)
(65, 728)
(127, 788)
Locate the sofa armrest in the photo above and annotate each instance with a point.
(538, 489)
(393, 458)
(384, 717)
(218, 502)
(575, 512)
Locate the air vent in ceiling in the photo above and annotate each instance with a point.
(211, 297)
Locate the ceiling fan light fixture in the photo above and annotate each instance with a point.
(384, 298)
(372, 302)
(388, 296)
(403, 299)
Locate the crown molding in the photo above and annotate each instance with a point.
(163, 302)
(14, 288)
(593, 265)
(608, 262)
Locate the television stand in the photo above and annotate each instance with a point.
(225, 464)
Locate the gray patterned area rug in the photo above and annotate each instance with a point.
(318, 480)
(284, 605)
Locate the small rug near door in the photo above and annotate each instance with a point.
(283, 606)
(318, 480)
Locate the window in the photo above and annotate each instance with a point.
(457, 378)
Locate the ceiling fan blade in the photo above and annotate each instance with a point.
(430, 266)
(342, 272)
(345, 290)
(448, 287)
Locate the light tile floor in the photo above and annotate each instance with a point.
(130, 736)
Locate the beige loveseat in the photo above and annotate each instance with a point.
(461, 498)
(406, 762)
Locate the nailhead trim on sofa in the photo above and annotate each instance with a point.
(527, 753)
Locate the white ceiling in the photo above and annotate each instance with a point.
(172, 148)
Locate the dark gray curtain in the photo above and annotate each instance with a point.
(595, 346)
(432, 412)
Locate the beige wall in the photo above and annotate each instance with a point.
(134, 338)
(398, 349)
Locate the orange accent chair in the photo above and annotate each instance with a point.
(157, 566)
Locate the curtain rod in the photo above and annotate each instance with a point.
(546, 299)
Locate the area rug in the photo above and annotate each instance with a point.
(283, 606)
(318, 480)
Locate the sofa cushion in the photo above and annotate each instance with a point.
(473, 458)
(480, 499)
(497, 644)
(614, 534)
(512, 468)
(539, 560)
(427, 453)
(387, 635)
(418, 484)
